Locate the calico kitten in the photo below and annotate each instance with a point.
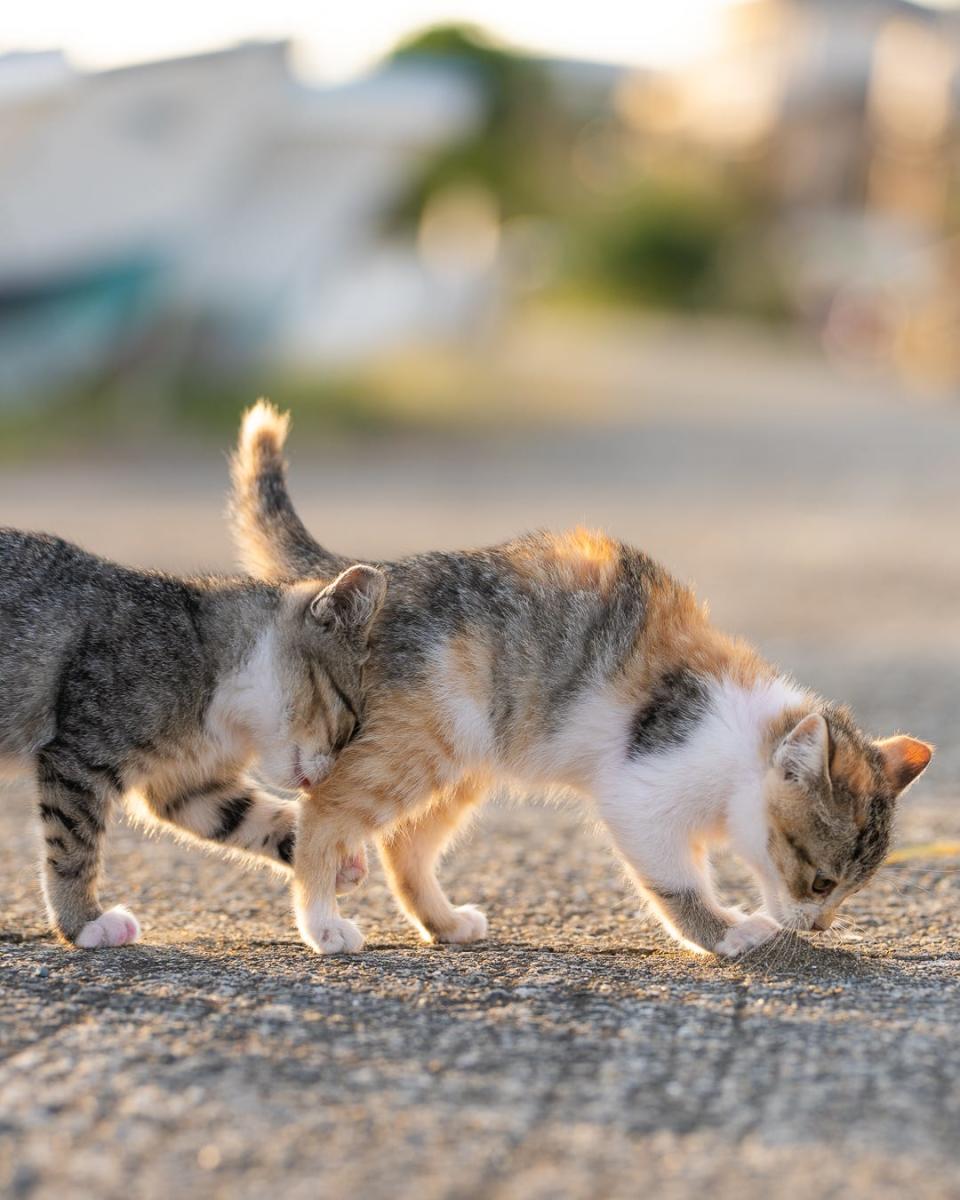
(115, 682)
(573, 659)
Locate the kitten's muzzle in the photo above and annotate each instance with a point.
(311, 771)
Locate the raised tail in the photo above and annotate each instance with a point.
(272, 541)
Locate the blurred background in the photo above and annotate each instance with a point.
(367, 218)
(687, 271)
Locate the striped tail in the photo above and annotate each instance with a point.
(272, 540)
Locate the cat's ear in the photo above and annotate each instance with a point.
(803, 755)
(352, 601)
(904, 758)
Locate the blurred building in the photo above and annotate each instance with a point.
(214, 203)
(217, 213)
(849, 102)
(845, 115)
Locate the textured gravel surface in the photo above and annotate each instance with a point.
(576, 1053)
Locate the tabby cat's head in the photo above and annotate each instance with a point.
(321, 648)
(830, 795)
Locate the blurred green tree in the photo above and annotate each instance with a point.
(650, 236)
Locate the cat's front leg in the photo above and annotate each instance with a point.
(673, 873)
(321, 847)
(747, 934)
(73, 816)
(693, 915)
(230, 811)
(688, 912)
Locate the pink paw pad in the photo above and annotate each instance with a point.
(115, 927)
(351, 872)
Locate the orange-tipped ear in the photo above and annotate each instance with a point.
(904, 758)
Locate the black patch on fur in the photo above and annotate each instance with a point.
(272, 490)
(609, 638)
(342, 696)
(689, 913)
(63, 872)
(873, 841)
(233, 813)
(63, 783)
(301, 552)
(176, 804)
(678, 704)
(50, 813)
(285, 848)
(107, 770)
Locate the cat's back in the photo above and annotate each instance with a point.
(44, 583)
(49, 570)
(553, 603)
(46, 579)
(76, 626)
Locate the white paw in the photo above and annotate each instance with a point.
(747, 935)
(331, 935)
(351, 872)
(471, 926)
(115, 927)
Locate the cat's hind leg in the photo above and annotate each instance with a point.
(74, 816)
(410, 853)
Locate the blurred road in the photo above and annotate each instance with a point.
(576, 1054)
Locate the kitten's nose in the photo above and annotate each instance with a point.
(824, 921)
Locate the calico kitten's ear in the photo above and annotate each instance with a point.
(803, 754)
(352, 600)
(904, 758)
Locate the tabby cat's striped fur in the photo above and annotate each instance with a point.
(121, 683)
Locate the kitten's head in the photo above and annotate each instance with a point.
(321, 648)
(830, 795)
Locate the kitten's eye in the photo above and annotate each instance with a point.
(821, 885)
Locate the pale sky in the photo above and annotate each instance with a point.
(340, 37)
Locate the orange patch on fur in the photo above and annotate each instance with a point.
(677, 633)
(471, 659)
(578, 559)
(848, 766)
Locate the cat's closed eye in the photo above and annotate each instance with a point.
(347, 736)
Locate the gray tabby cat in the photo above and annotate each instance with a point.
(122, 683)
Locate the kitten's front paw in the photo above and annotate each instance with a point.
(470, 926)
(331, 935)
(351, 872)
(115, 927)
(747, 935)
